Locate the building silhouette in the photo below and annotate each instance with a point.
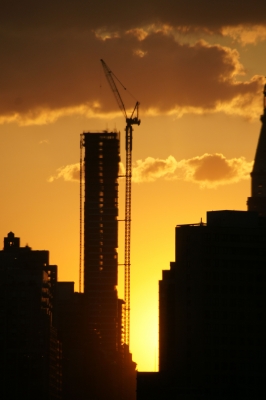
(101, 168)
(257, 201)
(30, 352)
(105, 310)
(88, 372)
(212, 304)
(212, 307)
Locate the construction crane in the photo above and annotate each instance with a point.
(133, 120)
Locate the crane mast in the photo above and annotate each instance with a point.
(128, 175)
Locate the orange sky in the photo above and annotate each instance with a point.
(198, 74)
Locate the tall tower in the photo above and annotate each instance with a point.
(101, 167)
(257, 201)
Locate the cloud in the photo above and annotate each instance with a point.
(50, 56)
(151, 169)
(196, 78)
(69, 173)
(79, 14)
(50, 75)
(208, 170)
(211, 170)
(44, 116)
(251, 34)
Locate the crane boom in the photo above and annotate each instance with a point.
(110, 79)
(129, 122)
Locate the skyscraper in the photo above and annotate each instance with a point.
(101, 168)
(212, 325)
(257, 201)
(104, 311)
(30, 353)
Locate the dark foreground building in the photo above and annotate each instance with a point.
(213, 307)
(212, 304)
(30, 353)
(212, 312)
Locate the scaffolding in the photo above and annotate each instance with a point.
(81, 201)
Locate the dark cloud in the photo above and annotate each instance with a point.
(79, 14)
(200, 75)
(50, 53)
(51, 74)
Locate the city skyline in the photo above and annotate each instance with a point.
(199, 78)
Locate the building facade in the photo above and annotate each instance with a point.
(30, 352)
(212, 309)
(257, 201)
(101, 168)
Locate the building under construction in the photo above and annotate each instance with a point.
(101, 167)
(103, 311)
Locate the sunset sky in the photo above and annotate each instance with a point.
(197, 68)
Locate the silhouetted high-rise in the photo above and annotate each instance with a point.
(213, 306)
(257, 201)
(101, 167)
(212, 312)
(30, 353)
